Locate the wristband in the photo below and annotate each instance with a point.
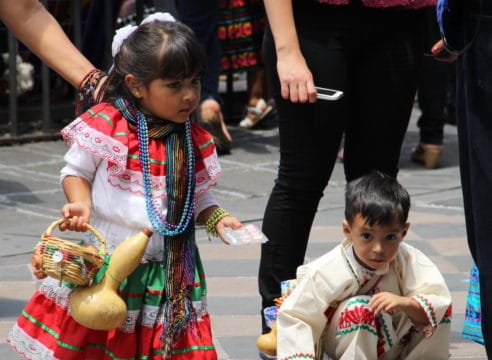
(212, 221)
(86, 89)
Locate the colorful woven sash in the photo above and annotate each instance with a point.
(178, 227)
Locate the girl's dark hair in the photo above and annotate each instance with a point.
(156, 50)
(377, 198)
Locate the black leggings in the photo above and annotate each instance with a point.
(374, 56)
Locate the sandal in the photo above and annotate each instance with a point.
(427, 155)
(255, 114)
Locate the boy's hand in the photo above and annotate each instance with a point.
(76, 215)
(392, 304)
(388, 302)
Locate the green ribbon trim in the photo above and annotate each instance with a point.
(40, 324)
(188, 349)
(99, 276)
(102, 346)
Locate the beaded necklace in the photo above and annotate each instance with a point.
(158, 222)
(177, 227)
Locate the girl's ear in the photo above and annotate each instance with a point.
(133, 85)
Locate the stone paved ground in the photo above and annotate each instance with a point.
(30, 198)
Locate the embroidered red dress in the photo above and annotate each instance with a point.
(104, 150)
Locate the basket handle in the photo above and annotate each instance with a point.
(97, 234)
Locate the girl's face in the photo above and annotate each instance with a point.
(170, 99)
(377, 245)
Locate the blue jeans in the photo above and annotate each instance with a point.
(202, 17)
(474, 121)
(374, 56)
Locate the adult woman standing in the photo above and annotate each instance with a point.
(371, 50)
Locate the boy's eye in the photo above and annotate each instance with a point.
(174, 85)
(365, 236)
(195, 81)
(391, 237)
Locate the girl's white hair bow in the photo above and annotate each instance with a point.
(123, 33)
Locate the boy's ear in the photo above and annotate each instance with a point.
(405, 229)
(346, 228)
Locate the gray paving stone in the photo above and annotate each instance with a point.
(30, 199)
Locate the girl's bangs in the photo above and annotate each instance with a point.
(179, 61)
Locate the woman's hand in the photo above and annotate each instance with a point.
(440, 53)
(296, 80)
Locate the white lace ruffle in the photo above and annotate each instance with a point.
(28, 347)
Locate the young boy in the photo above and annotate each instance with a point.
(373, 296)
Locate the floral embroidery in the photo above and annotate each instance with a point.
(78, 132)
(411, 4)
(299, 356)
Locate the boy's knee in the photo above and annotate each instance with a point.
(355, 313)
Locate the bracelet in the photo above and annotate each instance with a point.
(212, 221)
(86, 90)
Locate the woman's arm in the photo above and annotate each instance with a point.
(296, 80)
(34, 26)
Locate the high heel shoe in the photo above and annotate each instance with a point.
(427, 155)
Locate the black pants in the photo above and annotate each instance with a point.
(374, 56)
(435, 90)
(202, 17)
(474, 115)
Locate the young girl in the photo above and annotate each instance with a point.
(137, 161)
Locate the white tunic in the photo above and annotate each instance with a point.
(330, 302)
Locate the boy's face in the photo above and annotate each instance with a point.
(377, 245)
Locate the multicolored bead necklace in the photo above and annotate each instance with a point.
(157, 221)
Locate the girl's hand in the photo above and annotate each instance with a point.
(228, 221)
(296, 80)
(76, 215)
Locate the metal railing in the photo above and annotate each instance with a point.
(45, 111)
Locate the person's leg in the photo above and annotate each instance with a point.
(259, 104)
(202, 17)
(474, 86)
(386, 68)
(432, 99)
(309, 140)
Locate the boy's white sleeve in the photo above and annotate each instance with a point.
(301, 319)
(422, 280)
(80, 163)
(204, 199)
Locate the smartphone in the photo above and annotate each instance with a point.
(328, 94)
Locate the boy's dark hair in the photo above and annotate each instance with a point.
(156, 50)
(378, 198)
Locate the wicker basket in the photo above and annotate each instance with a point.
(65, 260)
